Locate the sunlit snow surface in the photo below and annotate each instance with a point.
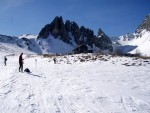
(75, 84)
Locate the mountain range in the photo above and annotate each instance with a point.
(136, 43)
(60, 37)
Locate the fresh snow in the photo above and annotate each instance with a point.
(84, 83)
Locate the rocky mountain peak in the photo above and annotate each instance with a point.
(70, 33)
(145, 24)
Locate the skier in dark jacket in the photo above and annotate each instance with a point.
(54, 60)
(5, 59)
(21, 63)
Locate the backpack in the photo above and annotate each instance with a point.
(27, 70)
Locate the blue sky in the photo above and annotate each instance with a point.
(114, 17)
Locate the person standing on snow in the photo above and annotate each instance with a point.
(21, 63)
(5, 59)
(54, 60)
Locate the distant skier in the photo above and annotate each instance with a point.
(35, 63)
(5, 59)
(21, 63)
(54, 60)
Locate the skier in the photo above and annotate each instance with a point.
(54, 60)
(36, 63)
(5, 59)
(21, 63)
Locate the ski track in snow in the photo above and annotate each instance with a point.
(88, 87)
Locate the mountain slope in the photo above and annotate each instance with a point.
(70, 33)
(142, 43)
(53, 45)
(59, 37)
(144, 25)
(136, 43)
(13, 45)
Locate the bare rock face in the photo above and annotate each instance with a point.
(70, 32)
(145, 24)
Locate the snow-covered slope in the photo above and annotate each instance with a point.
(140, 44)
(53, 45)
(136, 43)
(123, 40)
(9, 49)
(28, 36)
(30, 43)
(143, 44)
(21, 43)
(75, 84)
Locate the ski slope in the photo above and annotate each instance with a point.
(76, 84)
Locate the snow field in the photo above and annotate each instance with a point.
(76, 84)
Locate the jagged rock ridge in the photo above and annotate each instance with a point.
(59, 37)
(72, 34)
(144, 25)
